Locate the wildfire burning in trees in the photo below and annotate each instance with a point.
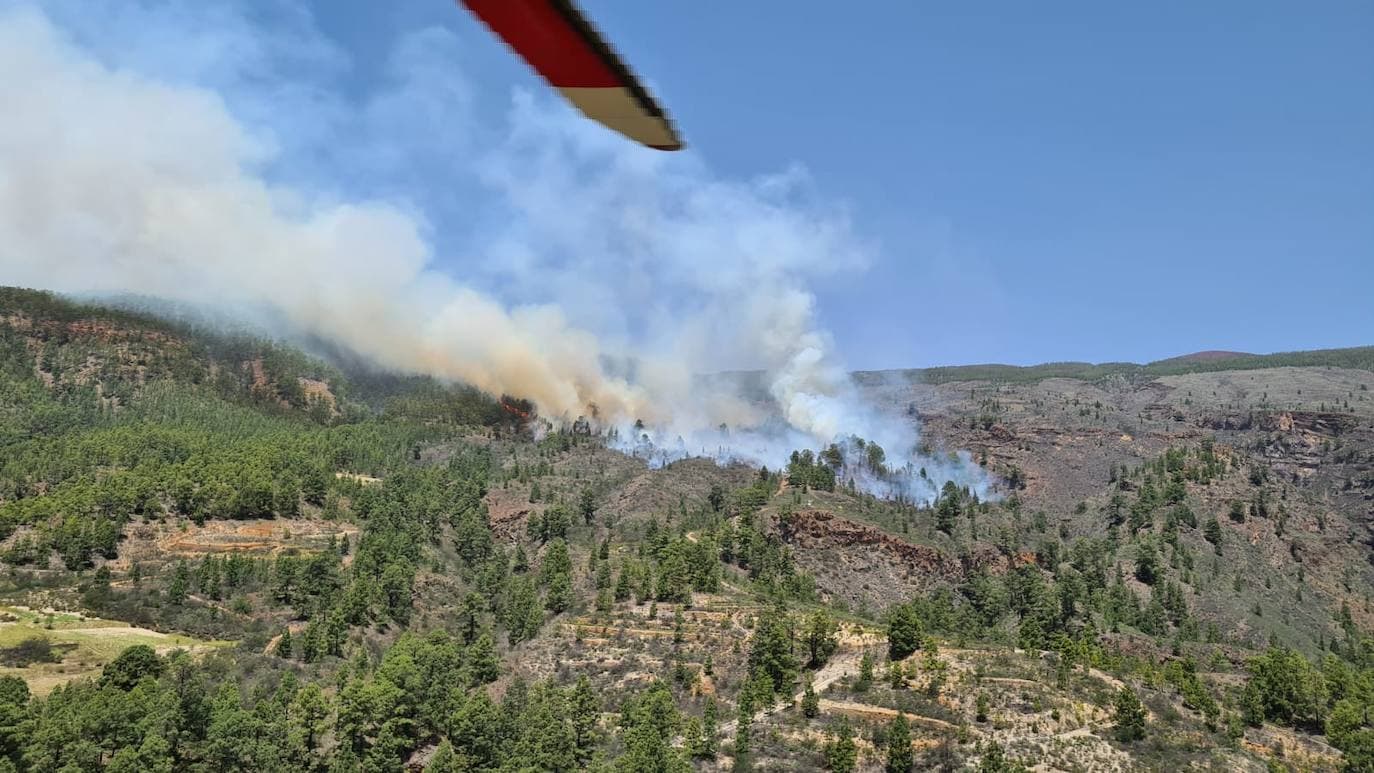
(609, 310)
(521, 409)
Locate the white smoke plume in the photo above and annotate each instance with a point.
(184, 151)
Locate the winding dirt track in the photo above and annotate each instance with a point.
(832, 672)
(824, 677)
(878, 712)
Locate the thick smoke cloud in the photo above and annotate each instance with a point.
(186, 153)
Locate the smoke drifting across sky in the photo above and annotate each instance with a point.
(188, 152)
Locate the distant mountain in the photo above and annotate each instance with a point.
(1207, 356)
(1357, 358)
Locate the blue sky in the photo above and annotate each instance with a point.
(1043, 181)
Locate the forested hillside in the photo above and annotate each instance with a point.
(221, 553)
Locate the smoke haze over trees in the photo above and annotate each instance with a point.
(223, 168)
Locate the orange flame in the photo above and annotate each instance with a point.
(514, 411)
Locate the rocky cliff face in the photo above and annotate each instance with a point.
(863, 564)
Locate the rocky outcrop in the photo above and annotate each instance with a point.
(819, 529)
(1327, 424)
(1314, 422)
(863, 564)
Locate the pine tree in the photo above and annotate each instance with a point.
(153, 755)
(692, 739)
(523, 615)
(586, 505)
(284, 644)
(483, 666)
(770, 653)
(896, 676)
(948, 508)
(131, 666)
(820, 639)
(743, 732)
(553, 523)
(707, 749)
(649, 721)
(180, 585)
(865, 679)
(548, 733)
(584, 708)
(811, 703)
(1147, 563)
(841, 755)
(899, 755)
(443, 759)
(557, 561)
(995, 760)
(1237, 512)
(623, 585)
(1252, 705)
(309, 716)
(312, 643)
(903, 632)
(1212, 531)
(1129, 717)
(560, 594)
